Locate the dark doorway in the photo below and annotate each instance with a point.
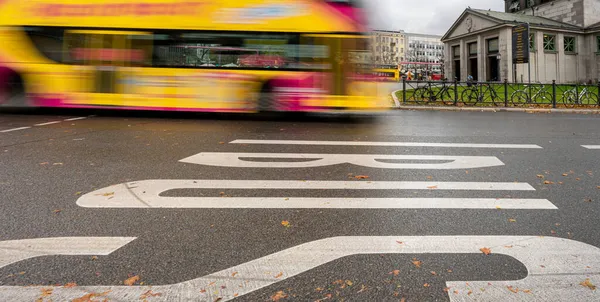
(457, 69)
(473, 68)
(493, 70)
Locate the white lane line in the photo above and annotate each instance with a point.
(147, 194)
(384, 144)
(48, 123)
(309, 160)
(315, 203)
(14, 129)
(75, 119)
(593, 147)
(555, 267)
(12, 251)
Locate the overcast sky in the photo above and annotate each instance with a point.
(422, 16)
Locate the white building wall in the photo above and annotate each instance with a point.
(591, 11)
(568, 11)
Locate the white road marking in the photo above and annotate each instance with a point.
(12, 251)
(242, 160)
(385, 144)
(594, 147)
(555, 266)
(75, 119)
(147, 194)
(14, 129)
(48, 123)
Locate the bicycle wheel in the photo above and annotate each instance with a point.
(519, 98)
(419, 95)
(588, 99)
(544, 98)
(470, 97)
(569, 99)
(448, 96)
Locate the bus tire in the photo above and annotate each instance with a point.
(266, 99)
(12, 93)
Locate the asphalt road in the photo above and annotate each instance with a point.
(125, 195)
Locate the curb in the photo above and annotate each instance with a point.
(491, 109)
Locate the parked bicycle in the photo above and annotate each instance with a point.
(572, 98)
(479, 93)
(531, 95)
(433, 93)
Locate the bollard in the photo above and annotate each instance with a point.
(553, 93)
(404, 90)
(505, 93)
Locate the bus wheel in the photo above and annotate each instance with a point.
(266, 99)
(12, 94)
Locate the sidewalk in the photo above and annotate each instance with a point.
(400, 106)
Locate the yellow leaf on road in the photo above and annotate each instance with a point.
(416, 262)
(131, 281)
(588, 284)
(540, 176)
(512, 220)
(361, 176)
(278, 296)
(394, 272)
(285, 223)
(486, 250)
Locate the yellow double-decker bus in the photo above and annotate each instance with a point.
(387, 72)
(186, 55)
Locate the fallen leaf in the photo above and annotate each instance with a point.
(57, 164)
(456, 292)
(514, 290)
(56, 211)
(285, 223)
(362, 289)
(508, 246)
(553, 232)
(449, 270)
(131, 281)
(69, 285)
(547, 182)
(498, 208)
(349, 283)
(233, 274)
(417, 263)
(107, 194)
(540, 176)
(469, 293)
(279, 275)
(361, 176)
(278, 296)
(527, 291)
(46, 292)
(433, 273)
(44, 163)
(78, 193)
(90, 296)
(578, 179)
(588, 200)
(202, 291)
(512, 220)
(426, 285)
(446, 289)
(221, 143)
(319, 289)
(21, 273)
(430, 177)
(485, 250)
(432, 187)
(565, 174)
(588, 284)
(395, 272)
(149, 294)
(403, 299)
(94, 258)
(400, 242)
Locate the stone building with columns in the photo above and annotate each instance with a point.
(564, 42)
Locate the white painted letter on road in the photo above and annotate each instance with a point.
(308, 160)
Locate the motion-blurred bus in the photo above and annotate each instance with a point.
(186, 55)
(387, 72)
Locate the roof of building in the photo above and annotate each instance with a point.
(513, 18)
(521, 18)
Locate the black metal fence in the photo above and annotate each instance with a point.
(502, 94)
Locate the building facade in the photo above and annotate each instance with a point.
(388, 47)
(425, 49)
(564, 42)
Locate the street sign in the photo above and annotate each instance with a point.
(520, 44)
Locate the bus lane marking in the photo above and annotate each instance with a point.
(148, 194)
(383, 144)
(309, 160)
(555, 267)
(12, 251)
(591, 147)
(14, 129)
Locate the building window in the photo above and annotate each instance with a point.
(549, 43)
(569, 44)
(473, 49)
(532, 42)
(456, 51)
(492, 45)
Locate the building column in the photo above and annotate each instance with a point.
(506, 65)
(481, 59)
(463, 60)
